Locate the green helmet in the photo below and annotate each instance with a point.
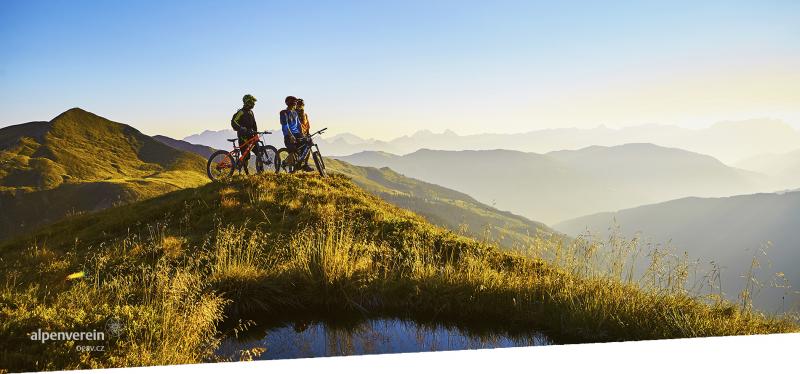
(249, 98)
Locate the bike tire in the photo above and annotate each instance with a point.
(319, 163)
(267, 158)
(217, 164)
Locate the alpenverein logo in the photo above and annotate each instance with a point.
(44, 336)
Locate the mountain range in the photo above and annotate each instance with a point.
(728, 230)
(560, 185)
(730, 141)
(80, 162)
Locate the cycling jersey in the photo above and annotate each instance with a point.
(290, 123)
(244, 119)
(305, 126)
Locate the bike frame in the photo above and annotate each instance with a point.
(307, 151)
(247, 146)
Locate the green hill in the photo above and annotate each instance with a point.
(177, 271)
(81, 162)
(439, 205)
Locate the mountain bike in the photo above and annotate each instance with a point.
(222, 164)
(291, 162)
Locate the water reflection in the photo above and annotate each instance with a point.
(318, 339)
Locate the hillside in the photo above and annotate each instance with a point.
(727, 231)
(441, 206)
(566, 184)
(660, 172)
(177, 271)
(80, 162)
(201, 150)
(784, 167)
(444, 207)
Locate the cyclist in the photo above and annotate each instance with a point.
(244, 122)
(305, 126)
(292, 129)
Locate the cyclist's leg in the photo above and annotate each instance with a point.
(304, 152)
(291, 147)
(307, 152)
(246, 160)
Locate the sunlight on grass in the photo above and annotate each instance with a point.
(196, 260)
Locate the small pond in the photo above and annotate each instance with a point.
(321, 339)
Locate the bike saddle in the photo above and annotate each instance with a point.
(232, 140)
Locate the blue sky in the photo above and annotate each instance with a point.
(383, 69)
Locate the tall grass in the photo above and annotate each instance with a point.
(215, 256)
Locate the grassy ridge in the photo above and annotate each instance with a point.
(81, 162)
(441, 206)
(172, 267)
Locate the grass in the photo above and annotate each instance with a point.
(181, 270)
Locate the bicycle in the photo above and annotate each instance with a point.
(290, 165)
(222, 164)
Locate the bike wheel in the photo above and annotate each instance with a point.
(267, 159)
(285, 161)
(220, 165)
(319, 163)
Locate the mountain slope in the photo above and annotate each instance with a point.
(663, 173)
(442, 206)
(785, 167)
(566, 184)
(178, 270)
(201, 150)
(82, 162)
(725, 230)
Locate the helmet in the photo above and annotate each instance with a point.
(290, 100)
(248, 98)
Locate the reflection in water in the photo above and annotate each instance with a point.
(317, 339)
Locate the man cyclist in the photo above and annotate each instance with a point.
(291, 126)
(244, 122)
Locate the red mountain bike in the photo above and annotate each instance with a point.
(222, 164)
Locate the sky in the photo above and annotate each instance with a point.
(383, 69)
